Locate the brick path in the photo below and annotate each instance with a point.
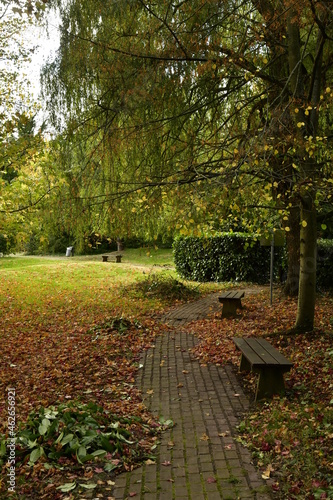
(198, 458)
(193, 311)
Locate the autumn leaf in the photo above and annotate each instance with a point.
(204, 437)
(267, 473)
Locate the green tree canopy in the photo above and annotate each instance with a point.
(219, 101)
(24, 180)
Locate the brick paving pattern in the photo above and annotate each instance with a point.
(198, 458)
(194, 310)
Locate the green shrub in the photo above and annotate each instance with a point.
(7, 244)
(325, 264)
(239, 257)
(227, 257)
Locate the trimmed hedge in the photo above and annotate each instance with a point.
(228, 257)
(325, 264)
(239, 257)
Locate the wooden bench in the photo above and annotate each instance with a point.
(231, 302)
(259, 356)
(106, 257)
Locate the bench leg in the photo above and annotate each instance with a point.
(270, 382)
(229, 309)
(244, 364)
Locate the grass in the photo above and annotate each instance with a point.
(35, 280)
(137, 256)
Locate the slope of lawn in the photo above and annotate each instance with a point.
(291, 437)
(71, 334)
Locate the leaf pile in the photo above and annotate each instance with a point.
(290, 437)
(163, 286)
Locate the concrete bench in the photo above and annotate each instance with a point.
(106, 257)
(231, 302)
(259, 356)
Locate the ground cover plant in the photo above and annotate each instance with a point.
(71, 342)
(291, 437)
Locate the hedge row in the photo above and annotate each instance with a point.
(228, 257)
(325, 264)
(240, 257)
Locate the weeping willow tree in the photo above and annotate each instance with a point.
(219, 105)
(22, 147)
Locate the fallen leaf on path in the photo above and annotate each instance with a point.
(204, 437)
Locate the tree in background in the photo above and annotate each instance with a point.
(24, 178)
(201, 102)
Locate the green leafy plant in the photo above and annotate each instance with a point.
(239, 257)
(75, 431)
(227, 257)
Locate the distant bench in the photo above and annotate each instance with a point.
(106, 257)
(259, 356)
(231, 302)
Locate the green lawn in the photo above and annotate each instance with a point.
(137, 256)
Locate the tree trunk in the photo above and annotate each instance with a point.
(307, 280)
(293, 253)
(308, 226)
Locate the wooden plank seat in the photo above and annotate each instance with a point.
(260, 357)
(231, 302)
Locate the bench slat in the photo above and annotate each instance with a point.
(282, 360)
(247, 351)
(260, 350)
(232, 295)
